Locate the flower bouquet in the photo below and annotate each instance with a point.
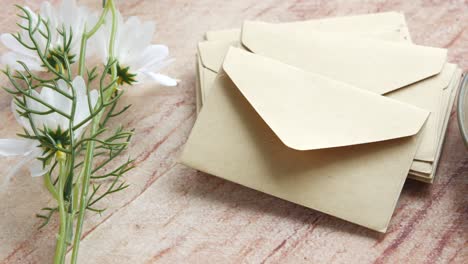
(67, 68)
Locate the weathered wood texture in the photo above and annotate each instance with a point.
(173, 214)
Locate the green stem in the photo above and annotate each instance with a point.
(89, 156)
(68, 195)
(50, 186)
(61, 239)
(86, 36)
(81, 68)
(84, 189)
(76, 193)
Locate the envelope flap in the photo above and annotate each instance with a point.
(308, 111)
(212, 53)
(376, 65)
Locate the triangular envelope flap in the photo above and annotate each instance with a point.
(308, 111)
(376, 65)
(212, 53)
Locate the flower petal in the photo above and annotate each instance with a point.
(82, 106)
(11, 43)
(21, 120)
(79, 85)
(67, 10)
(52, 120)
(82, 111)
(62, 103)
(157, 77)
(29, 158)
(152, 55)
(129, 49)
(16, 147)
(62, 85)
(99, 43)
(11, 59)
(38, 120)
(37, 169)
(49, 13)
(94, 96)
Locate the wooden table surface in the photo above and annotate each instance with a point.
(173, 214)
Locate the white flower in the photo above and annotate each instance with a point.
(67, 15)
(138, 60)
(55, 124)
(29, 152)
(20, 53)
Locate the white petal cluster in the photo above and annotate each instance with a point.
(70, 16)
(52, 122)
(20, 53)
(67, 15)
(133, 49)
(138, 61)
(55, 121)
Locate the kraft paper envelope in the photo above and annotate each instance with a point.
(198, 83)
(386, 26)
(425, 94)
(428, 168)
(210, 58)
(378, 22)
(432, 142)
(425, 171)
(214, 52)
(211, 54)
(378, 66)
(389, 26)
(323, 144)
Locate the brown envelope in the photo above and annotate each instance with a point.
(306, 139)
(423, 170)
(387, 26)
(211, 55)
(366, 63)
(425, 94)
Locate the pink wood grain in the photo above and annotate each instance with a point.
(173, 214)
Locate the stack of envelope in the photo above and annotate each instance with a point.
(332, 114)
